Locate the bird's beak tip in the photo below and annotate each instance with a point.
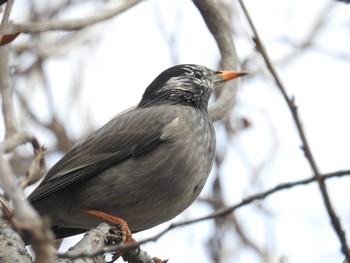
(242, 73)
(231, 74)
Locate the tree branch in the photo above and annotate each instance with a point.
(12, 248)
(25, 218)
(219, 213)
(220, 28)
(68, 25)
(305, 144)
(93, 245)
(6, 16)
(94, 239)
(5, 81)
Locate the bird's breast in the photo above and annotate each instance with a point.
(184, 162)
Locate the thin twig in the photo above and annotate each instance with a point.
(305, 144)
(262, 195)
(36, 170)
(17, 139)
(311, 35)
(68, 25)
(6, 16)
(219, 213)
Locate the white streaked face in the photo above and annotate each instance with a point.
(186, 84)
(192, 74)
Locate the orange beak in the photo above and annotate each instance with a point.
(230, 74)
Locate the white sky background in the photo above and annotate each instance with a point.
(132, 51)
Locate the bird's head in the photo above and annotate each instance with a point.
(186, 84)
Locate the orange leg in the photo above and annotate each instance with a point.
(119, 222)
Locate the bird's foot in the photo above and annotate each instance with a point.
(119, 234)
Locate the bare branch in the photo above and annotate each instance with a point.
(6, 16)
(5, 80)
(226, 211)
(305, 145)
(17, 139)
(68, 25)
(25, 217)
(6, 92)
(93, 244)
(12, 248)
(37, 168)
(312, 34)
(28, 219)
(220, 28)
(219, 213)
(93, 240)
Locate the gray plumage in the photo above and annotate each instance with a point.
(146, 165)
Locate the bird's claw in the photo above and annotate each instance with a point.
(119, 234)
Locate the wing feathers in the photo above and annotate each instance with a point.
(129, 135)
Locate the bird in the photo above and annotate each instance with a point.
(145, 166)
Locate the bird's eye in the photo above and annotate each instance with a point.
(198, 74)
